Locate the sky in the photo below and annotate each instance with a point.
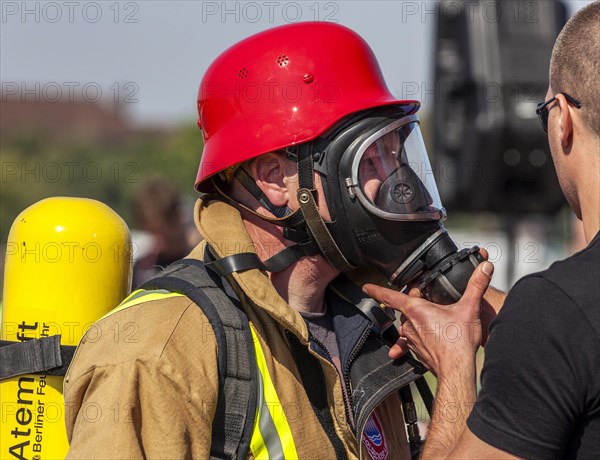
(151, 55)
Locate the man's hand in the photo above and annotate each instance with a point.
(444, 337)
(491, 304)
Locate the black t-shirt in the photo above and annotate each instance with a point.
(540, 384)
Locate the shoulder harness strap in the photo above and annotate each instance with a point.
(35, 356)
(236, 405)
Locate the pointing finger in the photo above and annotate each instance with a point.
(398, 349)
(389, 297)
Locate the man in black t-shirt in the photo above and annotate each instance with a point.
(540, 395)
(540, 385)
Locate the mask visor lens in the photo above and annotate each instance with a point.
(395, 177)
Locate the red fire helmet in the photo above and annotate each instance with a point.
(283, 87)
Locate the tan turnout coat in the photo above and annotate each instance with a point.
(144, 380)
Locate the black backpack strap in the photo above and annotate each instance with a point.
(236, 405)
(35, 356)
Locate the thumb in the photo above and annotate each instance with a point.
(478, 283)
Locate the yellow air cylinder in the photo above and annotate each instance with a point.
(67, 264)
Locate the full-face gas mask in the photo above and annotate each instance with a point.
(385, 208)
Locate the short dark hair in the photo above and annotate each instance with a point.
(575, 63)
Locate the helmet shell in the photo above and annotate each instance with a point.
(283, 87)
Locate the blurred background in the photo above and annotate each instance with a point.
(98, 100)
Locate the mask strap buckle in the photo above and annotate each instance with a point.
(306, 198)
(319, 231)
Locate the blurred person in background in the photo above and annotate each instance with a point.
(540, 391)
(157, 209)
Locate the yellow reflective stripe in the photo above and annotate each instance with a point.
(268, 401)
(257, 443)
(141, 296)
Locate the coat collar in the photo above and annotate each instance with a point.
(221, 226)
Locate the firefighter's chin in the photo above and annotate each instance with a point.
(316, 268)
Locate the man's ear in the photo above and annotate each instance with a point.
(269, 171)
(565, 121)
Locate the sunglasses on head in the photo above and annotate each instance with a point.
(542, 109)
